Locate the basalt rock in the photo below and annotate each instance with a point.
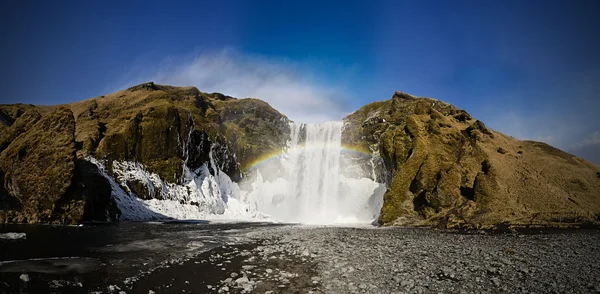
(445, 168)
(90, 192)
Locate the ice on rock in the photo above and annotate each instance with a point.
(204, 196)
(309, 186)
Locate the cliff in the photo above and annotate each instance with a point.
(445, 168)
(168, 130)
(111, 157)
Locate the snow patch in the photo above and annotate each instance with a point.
(304, 184)
(204, 196)
(13, 236)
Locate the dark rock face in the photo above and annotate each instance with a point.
(93, 189)
(446, 168)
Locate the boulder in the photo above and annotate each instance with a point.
(38, 165)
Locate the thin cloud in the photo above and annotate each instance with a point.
(559, 131)
(593, 139)
(542, 127)
(289, 87)
(588, 148)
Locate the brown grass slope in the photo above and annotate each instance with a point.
(158, 126)
(448, 169)
(37, 166)
(151, 124)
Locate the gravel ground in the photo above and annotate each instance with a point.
(255, 258)
(353, 260)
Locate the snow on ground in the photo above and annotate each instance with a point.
(309, 190)
(203, 196)
(13, 236)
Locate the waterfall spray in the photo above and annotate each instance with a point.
(311, 188)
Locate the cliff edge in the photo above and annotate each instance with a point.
(445, 168)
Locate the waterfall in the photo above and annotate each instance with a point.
(305, 184)
(309, 187)
(314, 170)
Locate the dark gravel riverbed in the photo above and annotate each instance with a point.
(265, 258)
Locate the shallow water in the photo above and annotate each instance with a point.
(71, 259)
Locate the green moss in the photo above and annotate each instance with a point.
(422, 146)
(160, 148)
(154, 126)
(252, 128)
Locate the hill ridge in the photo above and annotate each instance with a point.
(442, 166)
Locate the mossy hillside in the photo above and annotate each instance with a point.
(161, 127)
(14, 120)
(9, 113)
(445, 168)
(152, 126)
(153, 137)
(253, 127)
(38, 166)
(21, 124)
(148, 123)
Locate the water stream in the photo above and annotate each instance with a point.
(310, 187)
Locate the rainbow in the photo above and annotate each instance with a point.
(268, 157)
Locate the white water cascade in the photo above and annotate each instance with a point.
(313, 181)
(309, 186)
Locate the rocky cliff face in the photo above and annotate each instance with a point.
(163, 126)
(446, 168)
(168, 131)
(98, 159)
(38, 169)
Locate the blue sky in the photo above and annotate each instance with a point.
(530, 69)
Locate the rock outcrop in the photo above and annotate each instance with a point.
(446, 168)
(44, 164)
(37, 167)
(163, 126)
(442, 167)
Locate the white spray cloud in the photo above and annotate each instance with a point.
(289, 87)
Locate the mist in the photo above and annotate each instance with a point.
(291, 88)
